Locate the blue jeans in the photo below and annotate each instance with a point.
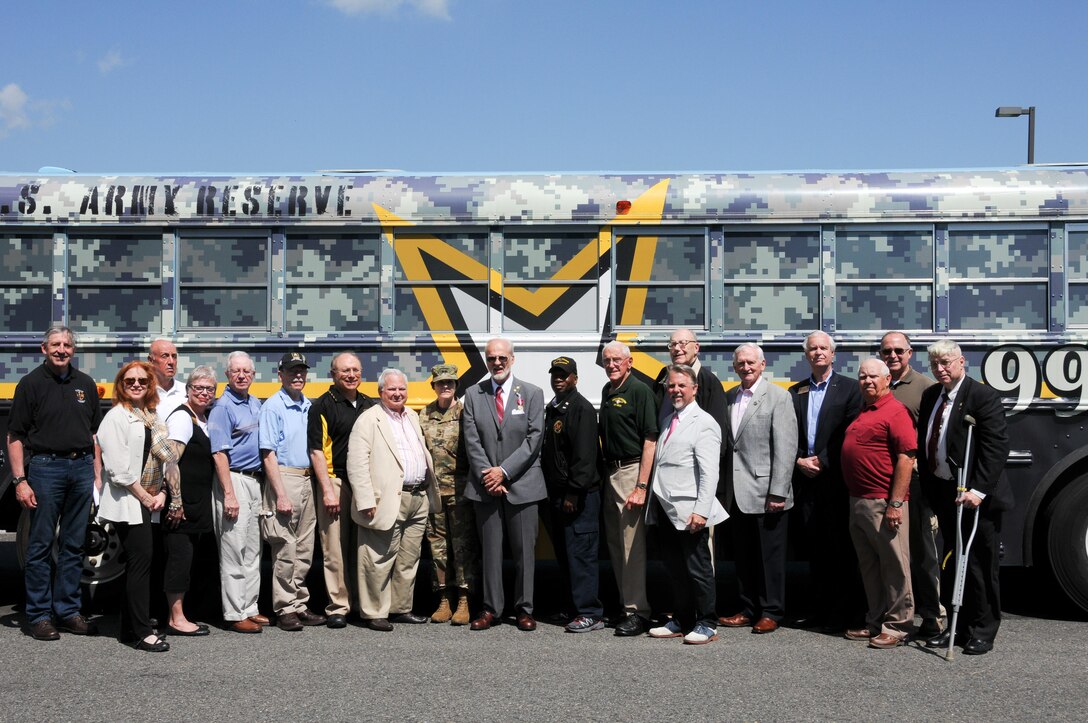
(63, 490)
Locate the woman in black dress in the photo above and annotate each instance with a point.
(189, 509)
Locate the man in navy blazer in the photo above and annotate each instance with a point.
(942, 445)
(503, 424)
(825, 403)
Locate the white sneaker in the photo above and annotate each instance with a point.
(701, 635)
(670, 629)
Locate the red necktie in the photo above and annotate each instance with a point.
(498, 403)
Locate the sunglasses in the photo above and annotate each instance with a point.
(131, 382)
(499, 359)
(887, 351)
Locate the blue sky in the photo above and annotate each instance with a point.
(498, 85)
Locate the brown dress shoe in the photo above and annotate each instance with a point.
(261, 620)
(765, 625)
(885, 640)
(308, 618)
(44, 630)
(526, 622)
(78, 625)
(485, 620)
(246, 626)
(740, 620)
(289, 622)
(860, 634)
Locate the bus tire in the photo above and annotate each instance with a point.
(1067, 540)
(103, 560)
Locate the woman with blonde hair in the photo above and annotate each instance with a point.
(137, 458)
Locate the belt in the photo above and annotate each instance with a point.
(614, 465)
(254, 473)
(71, 454)
(300, 471)
(416, 489)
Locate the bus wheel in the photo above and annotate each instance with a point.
(1067, 540)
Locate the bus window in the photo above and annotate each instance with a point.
(550, 281)
(440, 283)
(661, 280)
(333, 282)
(115, 283)
(772, 280)
(1077, 270)
(223, 281)
(26, 271)
(998, 279)
(884, 279)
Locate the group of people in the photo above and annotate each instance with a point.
(862, 472)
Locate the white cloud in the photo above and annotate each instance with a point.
(435, 8)
(19, 111)
(110, 61)
(13, 110)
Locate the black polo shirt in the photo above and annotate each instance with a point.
(329, 426)
(628, 416)
(54, 415)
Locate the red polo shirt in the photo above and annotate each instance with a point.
(874, 441)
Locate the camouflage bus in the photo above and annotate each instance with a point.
(413, 270)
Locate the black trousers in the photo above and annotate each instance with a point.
(576, 538)
(138, 542)
(687, 557)
(759, 542)
(980, 614)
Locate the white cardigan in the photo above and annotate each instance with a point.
(121, 439)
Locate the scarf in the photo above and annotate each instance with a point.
(162, 452)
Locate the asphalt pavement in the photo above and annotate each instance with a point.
(1038, 670)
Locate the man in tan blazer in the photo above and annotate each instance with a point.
(392, 485)
(761, 442)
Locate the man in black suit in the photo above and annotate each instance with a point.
(942, 446)
(825, 403)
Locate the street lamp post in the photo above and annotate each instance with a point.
(1014, 111)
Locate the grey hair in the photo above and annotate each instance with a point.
(884, 370)
(685, 370)
(750, 345)
(386, 373)
(58, 329)
(239, 355)
(830, 340)
(201, 372)
(617, 345)
(944, 348)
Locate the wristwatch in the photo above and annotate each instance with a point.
(895, 503)
(21, 478)
(640, 486)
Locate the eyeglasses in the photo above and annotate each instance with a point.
(942, 363)
(681, 344)
(201, 389)
(131, 382)
(241, 372)
(887, 351)
(497, 359)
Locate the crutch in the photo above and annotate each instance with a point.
(962, 551)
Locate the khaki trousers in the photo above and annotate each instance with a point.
(625, 531)
(291, 539)
(336, 547)
(884, 560)
(389, 560)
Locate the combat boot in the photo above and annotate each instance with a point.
(443, 613)
(461, 616)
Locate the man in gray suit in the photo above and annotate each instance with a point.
(684, 508)
(761, 450)
(503, 423)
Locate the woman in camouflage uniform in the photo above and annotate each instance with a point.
(451, 529)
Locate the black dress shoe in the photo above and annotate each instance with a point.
(201, 631)
(159, 646)
(975, 646)
(939, 641)
(633, 626)
(337, 621)
(44, 630)
(409, 618)
(382, 625)
(929, 628)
